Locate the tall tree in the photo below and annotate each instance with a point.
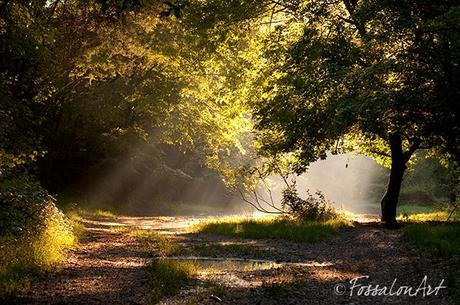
(378, 76)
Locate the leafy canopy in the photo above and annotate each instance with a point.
(358, 72)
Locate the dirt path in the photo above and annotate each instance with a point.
(375, 255)
(108, 268)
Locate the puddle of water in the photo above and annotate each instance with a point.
(232, 264)
(240, 264)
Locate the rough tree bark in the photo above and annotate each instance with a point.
(399, 159)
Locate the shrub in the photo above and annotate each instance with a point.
(313, 207)
(34, 233)
(24, 204)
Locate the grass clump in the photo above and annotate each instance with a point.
(276, 228)
(435, 216)
(99, 213)
(23, 258)
(441, 240)
(409, 209)
(279, 286)
(437, 239)
(168, 277)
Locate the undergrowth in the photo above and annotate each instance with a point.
(34, 237)
(440, 240)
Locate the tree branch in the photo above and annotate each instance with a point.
(415, 145)
(350, 6)
(257, 207)
(381, 153)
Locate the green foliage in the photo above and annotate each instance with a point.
(359, 72)
(120, 86)
(103, 214)
(95, 94)
(437, 239)
(294, 230)
(34, 234)
(436, 216)
(427, 182)
(24, 56)
(26, 206)
(442, 240)
(312, 208)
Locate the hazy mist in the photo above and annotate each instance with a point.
(352, 182)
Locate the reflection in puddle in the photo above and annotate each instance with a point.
(239, 264)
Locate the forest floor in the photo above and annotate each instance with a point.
(108, 267)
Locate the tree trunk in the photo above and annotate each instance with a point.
(398, 166)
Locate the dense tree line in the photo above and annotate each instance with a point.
(181, 91)
(89, 87)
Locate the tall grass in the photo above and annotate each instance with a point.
(22, 258)
(441, 240)
(98, 213)
(276, 228)
(434, 216)
(437, 239)
(409, 209)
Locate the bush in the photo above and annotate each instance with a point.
(313, 208)
(25, 206)
(34, 233)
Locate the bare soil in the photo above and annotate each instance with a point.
(109, 268)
